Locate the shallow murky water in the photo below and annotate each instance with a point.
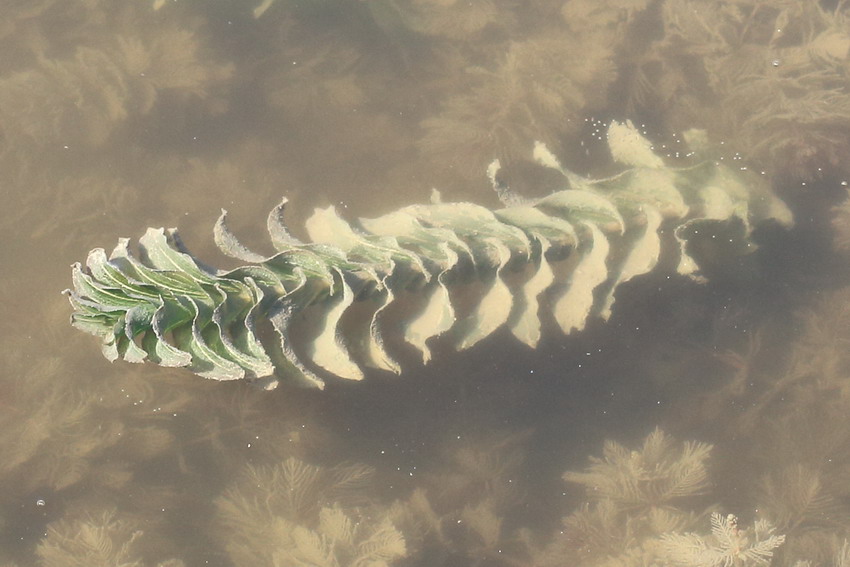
(703, 423)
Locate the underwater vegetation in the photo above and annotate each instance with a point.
(644, 509)
(518, 90)
(116, 116)
(295, 513)
(98, 540)
(85, 98)
(727, 545)
(769, 78)
(659, 501)
(578, 245)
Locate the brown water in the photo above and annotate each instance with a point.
(117, 116)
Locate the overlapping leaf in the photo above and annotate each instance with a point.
(567, 252)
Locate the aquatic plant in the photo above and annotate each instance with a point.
(632, 498)
(791, 427)
(508, 103)
(652, 477)
(295, 513)
(768, 78)
(104, 539)
(463, 508)
(727, 546)
(87, 97)
(573, 248)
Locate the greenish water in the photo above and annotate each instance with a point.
(116, 116)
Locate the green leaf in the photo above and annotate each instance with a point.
(577, 246)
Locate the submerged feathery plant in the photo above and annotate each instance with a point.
(577, 245)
